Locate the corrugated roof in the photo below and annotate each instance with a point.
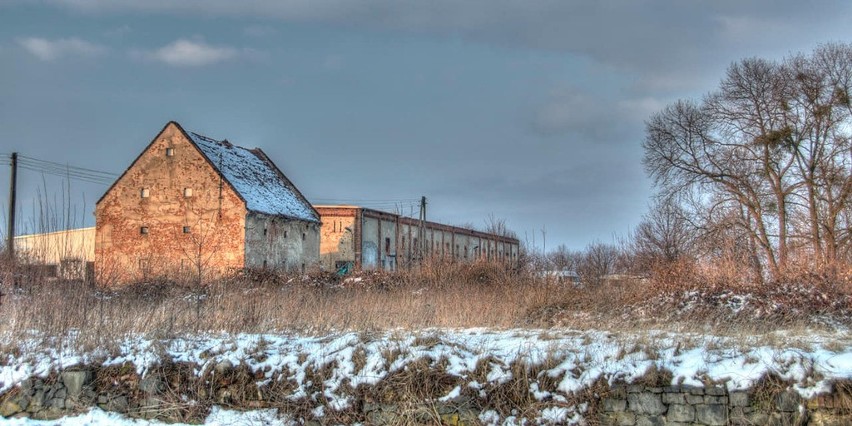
(263, 187)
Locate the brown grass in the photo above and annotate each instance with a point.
(438, 295)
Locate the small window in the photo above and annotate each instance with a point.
(170, 152)
(285, 234)
(186, 230)
(264, 231)
(145, 192)
(304, 236)
(387, 246)
(143, 230)
(187, 192)
(264, 264)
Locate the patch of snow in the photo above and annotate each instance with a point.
(453, 394)
(578, 360)
(255, 179)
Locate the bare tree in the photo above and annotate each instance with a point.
(769, 149)
(664, 235)
(598, 261)
(497, 226)
(562, 258)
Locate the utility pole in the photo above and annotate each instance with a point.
(10, 243)
(421, 231)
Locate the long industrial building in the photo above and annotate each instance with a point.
(353, 236)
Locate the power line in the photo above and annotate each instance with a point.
(64, 167)
(63, 170)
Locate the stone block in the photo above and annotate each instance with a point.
(738, 399)
(673, 389)
(715, 391)
(635, 389)
(56, 403)
(614, 405)
(737, 414)
(710, 400)
(713, 415)
(694, 399)
(9, 408)
(674, 398)
(608, 419)
(37, 401)
(151, 385)
(650, 421)
(75, 380)
(654, 390)
(646, 403)
(625, 418)
(695, 390)
(48, 414)
(60, 394)
(788, 401)
(681, 413)
(117, 404)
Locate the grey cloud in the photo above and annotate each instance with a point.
(648, 37)
(49, 50)
(192, 53)
(592, 117)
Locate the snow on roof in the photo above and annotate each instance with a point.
(255, 178)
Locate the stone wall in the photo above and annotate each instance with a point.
(635, 405)
(161, 394)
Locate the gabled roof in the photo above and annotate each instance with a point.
(254, 177)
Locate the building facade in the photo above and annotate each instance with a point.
(194, 206)
(68, 254)
(371, 239)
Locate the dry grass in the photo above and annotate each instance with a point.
(452, 295)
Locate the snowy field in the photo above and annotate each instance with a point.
(574, 360)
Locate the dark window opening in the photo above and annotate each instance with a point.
(304, 236)
(387, 245)
(170, 152)
(264, 231)
(186, 230)
(285, 234)
(143, 230)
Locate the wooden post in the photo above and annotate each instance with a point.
(10, 243)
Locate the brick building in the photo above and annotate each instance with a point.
(198, 207)
(372, 239)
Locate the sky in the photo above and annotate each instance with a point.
(530, 112)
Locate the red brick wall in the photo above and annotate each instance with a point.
(214, 214)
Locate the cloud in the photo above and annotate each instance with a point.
(49, 50)
(637, 36)
(188, 53)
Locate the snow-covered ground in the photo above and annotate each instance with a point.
(574, 359)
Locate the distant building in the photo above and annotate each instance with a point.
(66, 254)
(194, 206)
(561, 275)
(373, 239)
